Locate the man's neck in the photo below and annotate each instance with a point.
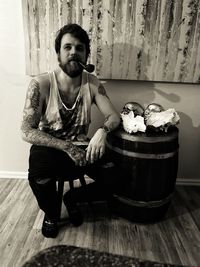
(66, 82)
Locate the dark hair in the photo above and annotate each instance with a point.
(77, 32)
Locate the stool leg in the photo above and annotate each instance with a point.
(82, 180)
(71, 184)
(83, 183)
(60, 195)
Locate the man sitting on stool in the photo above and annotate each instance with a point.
(56, 114)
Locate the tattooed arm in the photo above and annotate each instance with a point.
(34, 104)
(96, 147)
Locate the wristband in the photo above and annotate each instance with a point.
(105, 128)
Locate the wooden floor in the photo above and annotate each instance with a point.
(176, 239)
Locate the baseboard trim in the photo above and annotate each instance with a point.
(189, 182)
(24, 175)
(13, 175)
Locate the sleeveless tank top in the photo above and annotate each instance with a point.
(69, 123)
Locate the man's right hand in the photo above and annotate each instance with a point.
(78, 155)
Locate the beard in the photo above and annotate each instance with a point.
(71, 68)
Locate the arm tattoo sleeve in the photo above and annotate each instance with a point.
(31, 114)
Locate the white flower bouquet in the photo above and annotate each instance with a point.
(154, 117)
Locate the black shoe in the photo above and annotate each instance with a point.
(75, 216)
(49, 228)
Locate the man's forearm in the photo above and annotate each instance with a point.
(40, 138)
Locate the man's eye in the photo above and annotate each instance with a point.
(68, 47)
(80, 48)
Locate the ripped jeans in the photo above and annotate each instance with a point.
(46, 165)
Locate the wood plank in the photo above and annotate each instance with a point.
(175, 239)
(183, 233)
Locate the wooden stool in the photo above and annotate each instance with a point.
(60, 188)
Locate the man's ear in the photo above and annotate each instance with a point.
(58, 56)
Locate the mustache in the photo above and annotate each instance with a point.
(74, 58)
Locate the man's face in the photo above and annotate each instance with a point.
(71, 51)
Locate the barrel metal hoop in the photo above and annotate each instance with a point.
(143, 204)
(141, 155)
(147, 139)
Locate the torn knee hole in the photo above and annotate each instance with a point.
(108, 165)
(43, 181)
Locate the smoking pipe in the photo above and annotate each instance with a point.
(88, 67)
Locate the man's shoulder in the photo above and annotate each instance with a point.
(43, 81)
(93, 80)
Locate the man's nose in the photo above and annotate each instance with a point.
(73, 50)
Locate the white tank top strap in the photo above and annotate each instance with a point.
(52, 111)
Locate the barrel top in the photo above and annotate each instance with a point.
(150, 137)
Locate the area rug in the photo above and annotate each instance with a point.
(64, 256)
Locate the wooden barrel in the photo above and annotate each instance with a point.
(148, 164)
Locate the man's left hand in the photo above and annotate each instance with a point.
(96, 147)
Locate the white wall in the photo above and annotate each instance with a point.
(13, 152)
(185, 98)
